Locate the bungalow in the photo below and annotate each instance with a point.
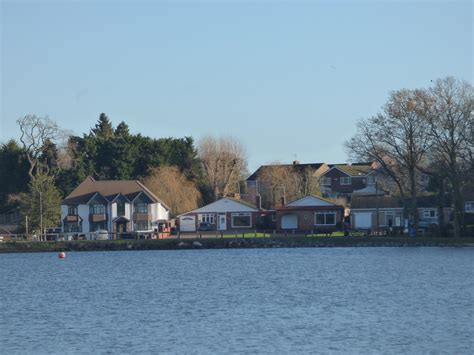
(364, 209)
(310, 213)
(123, 206)
(222, 215)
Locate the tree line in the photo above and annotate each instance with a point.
(425, 130)
(47, 163)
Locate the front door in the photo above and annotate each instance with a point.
(222, 222)
(121, 228)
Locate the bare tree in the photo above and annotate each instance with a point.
(169, 184)
(224, 160)
(451, 129)
(277, 181)
(397, 140)
(36, 133)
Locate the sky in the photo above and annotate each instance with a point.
(289, 79)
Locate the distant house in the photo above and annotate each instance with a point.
(310, 213)
(123, 206)
(341, 180)
(255, 185)
(225, 214)
(390, 211)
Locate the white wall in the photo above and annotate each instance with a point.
(64, 211)
(83, 211)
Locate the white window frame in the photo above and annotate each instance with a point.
(345, 180)
(241, 214)
(326, 181)
(427, 213)
(325, 213)
(207, 217)
(469, 206)
(97, 208)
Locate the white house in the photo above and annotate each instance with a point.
(123, 206)
(224, 214)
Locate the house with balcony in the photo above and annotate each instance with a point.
(119, 207)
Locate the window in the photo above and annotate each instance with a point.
(469, 206)
(241, 220)
(327, 218)
(325, 181)
(120, 209)
(430, 214)
(72, 210)
(141, 208)
(97, 209)
(142, 226)
(345, 180)
(371, 179)
(72, 227)
(95, 226)
(207, 217)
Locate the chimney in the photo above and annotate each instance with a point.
(282, 202)
(258, 201)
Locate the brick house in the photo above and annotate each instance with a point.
(310, 213)
(341, 180)
(254, 183)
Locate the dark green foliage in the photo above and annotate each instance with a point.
(103, 128)
(116, 154)
(13, 173)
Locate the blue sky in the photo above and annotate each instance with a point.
(287, 78)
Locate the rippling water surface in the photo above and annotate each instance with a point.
(339, 300)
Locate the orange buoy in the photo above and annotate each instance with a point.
(62, 255)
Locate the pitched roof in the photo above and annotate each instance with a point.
(372, 201)
(225, 204)
(298, 167)
(311, 200)
(109, 189)
(354, 169)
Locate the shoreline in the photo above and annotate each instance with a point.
(232, 243)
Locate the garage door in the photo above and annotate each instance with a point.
(187, 224)
(289, 221)
(363, 220)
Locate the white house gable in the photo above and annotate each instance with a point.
(225, 205)
(310, 201)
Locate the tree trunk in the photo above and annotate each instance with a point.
(413, 204)
(457, 208)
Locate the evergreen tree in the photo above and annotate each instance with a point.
(122, 130)
(13, 173)
(103, 128)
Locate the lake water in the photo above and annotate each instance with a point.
(334, 300)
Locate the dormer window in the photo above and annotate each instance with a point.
(97, 209)
(120, 209)
(141, 208)
(72, 210)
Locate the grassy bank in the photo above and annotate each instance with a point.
(224, 243)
